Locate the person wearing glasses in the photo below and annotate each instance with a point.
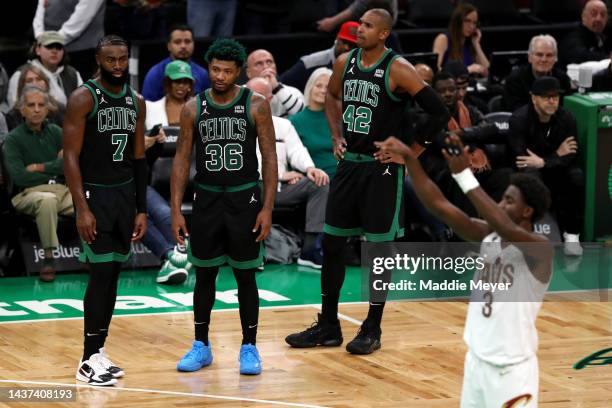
(462, 41)
(50, 58)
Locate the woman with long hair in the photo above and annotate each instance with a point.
(31, 74)
(462, 41)
(311, 123)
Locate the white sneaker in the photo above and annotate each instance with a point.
(572, 246)
(93, 372)
(115, 371)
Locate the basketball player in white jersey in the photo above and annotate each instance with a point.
(501, 367)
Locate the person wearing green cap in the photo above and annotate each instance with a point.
(178, 88)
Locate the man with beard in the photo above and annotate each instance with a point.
(367, 95)
(180, 46)
(542, 141)
(230, 217)
(106, 171)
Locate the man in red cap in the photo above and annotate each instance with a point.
(298, 74)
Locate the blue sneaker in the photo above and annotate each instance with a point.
(250, 363)
(199, 356)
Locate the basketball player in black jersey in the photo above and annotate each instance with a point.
(230, 217)
(366, 98)
(107, 175)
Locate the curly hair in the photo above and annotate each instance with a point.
(226, 49)
(535, 193)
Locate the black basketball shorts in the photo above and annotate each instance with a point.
(222, 226)
(114, 207)
(366, 197)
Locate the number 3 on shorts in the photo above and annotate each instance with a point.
(119, 139)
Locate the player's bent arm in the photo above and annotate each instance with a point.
(261, 113)
(140, 163)
(182, 157)
(404, 78)
(139, 146)
(333, 98)
(499, 221)
(541, 251)
(469, 229)
(80, 103)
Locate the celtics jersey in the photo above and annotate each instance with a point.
(370, 111)
(108, 143)
(225, 138)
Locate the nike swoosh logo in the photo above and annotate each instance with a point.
(252, 327)
(92, 334)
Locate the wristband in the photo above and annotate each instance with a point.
(466, 180)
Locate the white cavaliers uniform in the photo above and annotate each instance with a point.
(501, 366)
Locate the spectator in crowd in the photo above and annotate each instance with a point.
(4, 81)
(462, 81)
(355, 10)
(178, 85)
(602, 79)
(79, 22)
(33, 159)
(462, 41)
(425, 72)
(298, 74)
(211, 18)
(51, 60)
(286, 99)
(180, 45)
(299, 180)
(31, 74)
(311, 123)
(590, 40)
(542, 56)
(469, 124)
(542, 139)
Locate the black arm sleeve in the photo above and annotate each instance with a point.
(438, 115)
(140, 177)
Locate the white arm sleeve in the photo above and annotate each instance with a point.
(81, 17)
(297, 155)
(38, 24)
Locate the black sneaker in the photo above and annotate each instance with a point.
(321, 333)
(366, 341)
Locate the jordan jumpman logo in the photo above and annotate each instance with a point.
(387, 171)
(253, 199)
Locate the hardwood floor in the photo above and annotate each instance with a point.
(419, 365)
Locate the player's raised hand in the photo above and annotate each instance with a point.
(393, 150)
(140, 226)
(263, 223)
(179, 228)
(456, 154)
(339, 147)
(86, 225)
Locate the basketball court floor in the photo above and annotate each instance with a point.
(420, 363)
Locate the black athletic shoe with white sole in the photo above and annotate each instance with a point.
(93, 372)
